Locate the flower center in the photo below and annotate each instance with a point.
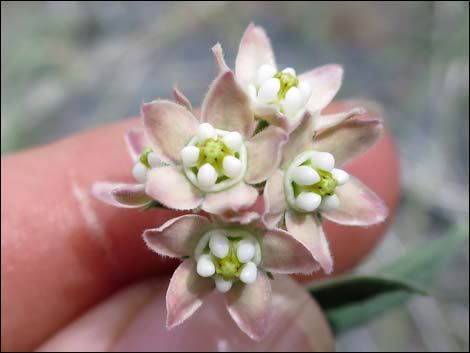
(287, 81)
(147, 160)
(227, 256)
(311, 180)
(280, 88)
(214, 159)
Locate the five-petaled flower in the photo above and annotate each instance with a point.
(211, 161)
(281, 96)
(309, 183)
(234, 259)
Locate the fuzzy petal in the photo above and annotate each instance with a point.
(136, 142)
(274, 200)
(181, 99)
(325, 82)
(243, 217)
(185, 293)
(272, 115)
(237, 198)
(359, 206)
(227, 107)
(264, 154)
(177, 237)
(219, 58)
(168, 126)
(306, 229)
(169, 186)
(254, 50)
(283, 253)
(300, 140)
(120, 194)
(321, 122)
(249, 306)
(349, 139)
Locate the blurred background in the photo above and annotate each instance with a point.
(68, 67)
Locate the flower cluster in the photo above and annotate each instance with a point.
(260, 132)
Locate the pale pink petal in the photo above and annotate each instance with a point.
(219, 58)
(169, 186)
(136, 142)
(272, 115)
(185, 293)
(274, 200)
(249, 305)
(325, 82)
(283, 253)
(227, 107)
(235, 199)
(321, 122)
(121, 194)
(181, 99)
(349, 139)
(300, 140)
(264, 154)
(359, 206)
(177, 237)
(308, 230)
(168, 127)
(242, 217)
(254, 50)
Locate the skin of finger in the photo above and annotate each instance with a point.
(134, 320)
(52, 228)
(63, 251)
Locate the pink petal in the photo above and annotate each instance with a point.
(300, 140)
(242, 217)
(325, 82)
(121, 194)
(181, 99)
(136, 142)
(254, 50)
(272, 115)
(177, 237)
(185, 293)
(264, 154)
(219, 58)
(274, 200)
(249, 306)
(359, 206)
(321, 122)
(349, 139)
(283, 253)
(306, 229)
(168, 127)
(169, 186)
(227, 107)
(237, 198)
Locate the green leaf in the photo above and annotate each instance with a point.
(349, 290)
(422, 264)
(350, 302)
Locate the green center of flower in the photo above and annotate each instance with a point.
(287, 82)
(325, 187)
(213, 152)
(144, 156)
(229, 267)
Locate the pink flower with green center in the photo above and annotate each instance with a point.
(280, 96)
(235, 260)
(309, 184)
(211, 162)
